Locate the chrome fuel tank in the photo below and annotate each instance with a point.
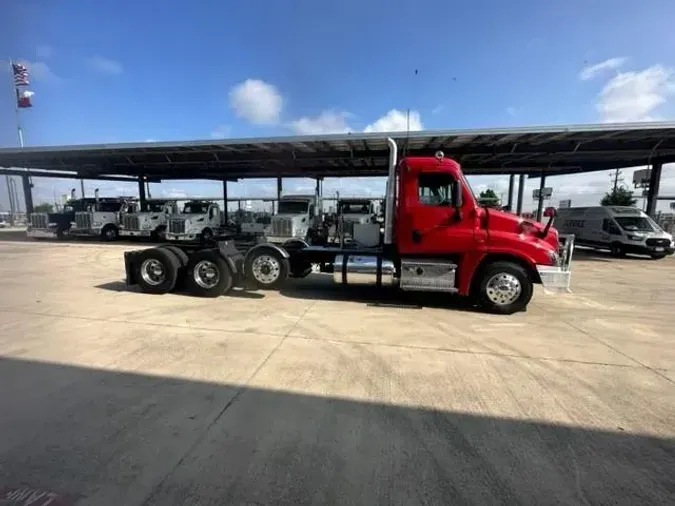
(363, 270)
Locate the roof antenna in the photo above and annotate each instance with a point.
(404, 151)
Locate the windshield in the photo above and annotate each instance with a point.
(293, 207)
(195, 208)
(155, 207)
(637, 224)
(109, 207)
(355, 207)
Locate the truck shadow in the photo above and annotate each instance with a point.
(321, 287)
(230, 443)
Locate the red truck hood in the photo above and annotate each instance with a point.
(512, 223)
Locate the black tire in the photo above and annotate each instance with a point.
(110, 233)
(616, 249)
(224, 279)
(298, 268)
(273, 270)
(182, 261)
(170, 265)
(658, 256)
(206, 236)
(488, 298)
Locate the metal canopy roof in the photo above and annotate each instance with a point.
(554, 150)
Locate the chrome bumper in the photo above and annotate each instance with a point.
(557, 278)
(41, 234)
(181, 237)
(135, 233)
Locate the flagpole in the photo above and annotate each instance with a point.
(7, 177)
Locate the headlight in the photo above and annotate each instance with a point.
(98, 224)
(634, 237)
(51, 224)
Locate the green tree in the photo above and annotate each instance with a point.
(45, 207)
(619, 196)
(488, 197)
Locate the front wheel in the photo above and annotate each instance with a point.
(207, 235)
(109, 233)
(616, 249)
(505, 288)
(267, 268)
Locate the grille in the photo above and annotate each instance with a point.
(282, 227)
(347, 227)
(131, 222)
(658, 242)
(39, 220)
(83, 221)
(177, 226)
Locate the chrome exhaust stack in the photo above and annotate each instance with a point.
(391, 192)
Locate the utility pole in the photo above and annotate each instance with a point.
(617, 179)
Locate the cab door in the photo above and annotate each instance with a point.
(430, 221)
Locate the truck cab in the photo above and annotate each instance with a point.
(55, 225)
(198, 220)
(297, 217)
(150, 222)
(100, 218)
(352, 211)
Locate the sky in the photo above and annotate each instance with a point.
(135, 71)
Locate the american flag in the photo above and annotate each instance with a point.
(20, 74)
(23, 99)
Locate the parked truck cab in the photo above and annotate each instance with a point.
(351, 211)
(297, 217)
(101, 218)
(198, 220)
(55, 225)
(150, 222)
(436, 238)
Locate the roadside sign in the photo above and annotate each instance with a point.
(641, 177)
(548, 192)
(564, 204)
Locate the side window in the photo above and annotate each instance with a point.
(605, 225)
(613, 229)
(212, 212)
(435, 188)
(311, 210)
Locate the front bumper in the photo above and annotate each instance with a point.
(135, 233)
(86, 232)
(642, 249)
(181, 237)
(557, 278)
(41, 233)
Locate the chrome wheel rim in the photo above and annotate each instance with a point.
(206, 274)
(266, 269)
(503, 289)
(153, 272)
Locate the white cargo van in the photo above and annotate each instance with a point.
(616, 228)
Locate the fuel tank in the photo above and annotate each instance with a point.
(363, 270)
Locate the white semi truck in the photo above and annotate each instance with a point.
(198, 220)
(151, 222)
(351, 211)
(101, 219)
(297, 217)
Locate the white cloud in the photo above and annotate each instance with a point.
(396, 121)
(635, 95)
(44, 51)
(105, 65)
(591, 71)
(221, 132)
(328, 122)
(256, 101)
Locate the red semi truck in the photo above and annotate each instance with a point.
(436, 237)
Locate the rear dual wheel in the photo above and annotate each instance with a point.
(205, 274)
